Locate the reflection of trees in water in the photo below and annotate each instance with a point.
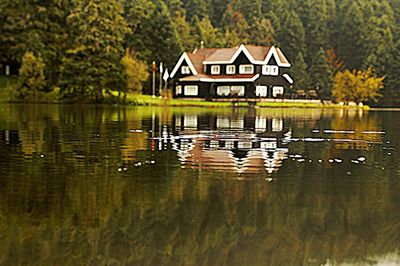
(358, 121)
(172, 222)
(74, 207)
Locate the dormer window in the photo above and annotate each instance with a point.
(215, 70)
(246, 69)
(268, 70)
(230, 69)
(185, 70)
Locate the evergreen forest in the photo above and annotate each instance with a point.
(77, 46)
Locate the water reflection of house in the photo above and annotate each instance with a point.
(242, 144)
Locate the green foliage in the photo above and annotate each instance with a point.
(321, 74)
(31, 80)
(135, 71)
(92, 61)
(262, 32)
(315, 20)
(156, 37)
(207, 33)
(300, 73)
(184, 31)
(292, 36)
(236, 27)
(357, 86)
(348, 43)
(361, 33)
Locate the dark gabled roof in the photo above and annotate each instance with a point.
(256, 54)
(198, 56)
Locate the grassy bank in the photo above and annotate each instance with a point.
(147, 100)
(7, 87)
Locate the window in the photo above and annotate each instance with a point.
(7, 70)
(268, 70)
(230, 69)
(191, 90)
(261, 91)
(261, 122)
(230, 90)
(215, 70)
(237, 90)
(277, 125)
(190, 121)
(268, 145)
(276, 91)
(185, 70)
(223, 90)
(222, 122)
(246, 69)
(178, 90)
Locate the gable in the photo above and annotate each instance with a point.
(183, 59)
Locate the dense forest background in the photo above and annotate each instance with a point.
(80, 43)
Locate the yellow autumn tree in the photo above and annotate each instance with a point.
(136, 72)
(357, 86)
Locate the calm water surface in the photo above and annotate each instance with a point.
(151, 186)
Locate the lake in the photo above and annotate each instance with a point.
(192, 186)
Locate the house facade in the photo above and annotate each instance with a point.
(247, 71)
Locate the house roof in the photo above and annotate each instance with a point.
(223, 54)
(256, 54)
(199, 55)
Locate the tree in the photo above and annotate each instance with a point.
(31, 80)
(251, 10)
(93, 59)
(262, 32)
(207, 33)
(292, 36)
(195, 8)
(321, 74)
(156, 38)
(391, 91)
(357, 86)
(14, 21)
(136, 72)
(236, 27)
(348, 34)
(379, 38)
(315, 20)
(36, 26)
(300, 73)
(184, 31)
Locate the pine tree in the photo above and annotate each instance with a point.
(195, 8)
(348, 34)
(379, 37)
(262, 32)
(251, 10)
(292, 38)
(207, 33)
(315, 20)
(236, 27)
(321, 74)
(218, 7)
(391, 91)
(155, 38)
(184, 31)
(300, 73)
(93, 60)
